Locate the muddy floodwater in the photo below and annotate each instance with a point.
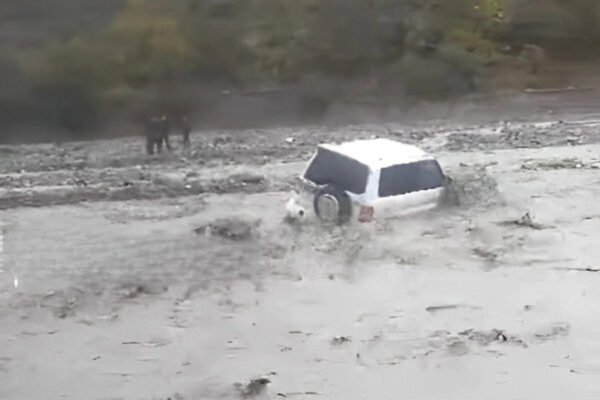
(176, 277)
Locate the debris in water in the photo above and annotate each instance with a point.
(587, 269)
(109, 317)
(433, 309)
(230, 228)
(525, 221)
(487, 255)
(457, 347)
(337, 340)
(151, 344)
(554, 331)
(294, 394)
(247, 177)
(254, 388)
(133, 291)
(485, 338)
(567, 163)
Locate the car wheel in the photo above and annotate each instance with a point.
(332, 205)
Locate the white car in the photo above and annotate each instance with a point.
(368, 179)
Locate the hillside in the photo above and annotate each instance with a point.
(77, 69)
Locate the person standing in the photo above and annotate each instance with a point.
(157, 133)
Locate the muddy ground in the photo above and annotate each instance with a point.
(124, 276)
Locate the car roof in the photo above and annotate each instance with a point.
(379, 153)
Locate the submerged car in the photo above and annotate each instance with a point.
(367, 179)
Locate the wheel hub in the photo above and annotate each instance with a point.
(329, 208)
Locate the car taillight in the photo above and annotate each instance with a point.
(366, 214)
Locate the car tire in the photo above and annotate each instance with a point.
(344, 205)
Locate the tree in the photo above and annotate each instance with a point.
(568, 28)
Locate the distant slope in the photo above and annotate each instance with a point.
(29, 23)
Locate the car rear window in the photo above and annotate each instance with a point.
(413, 177)
(329, 167)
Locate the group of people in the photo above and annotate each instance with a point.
(157, 130)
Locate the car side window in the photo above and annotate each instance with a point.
(413, 177)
